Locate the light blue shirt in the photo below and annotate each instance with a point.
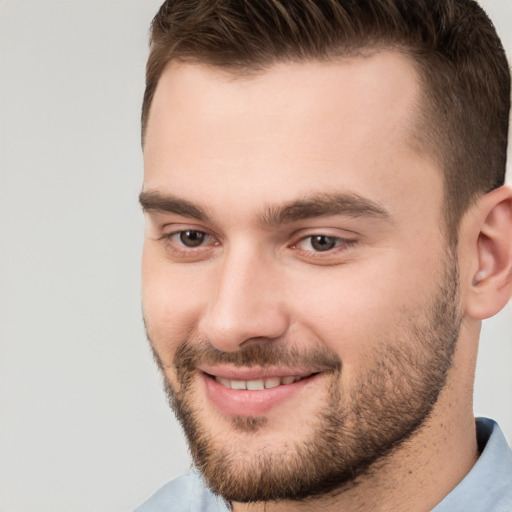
(486, 488)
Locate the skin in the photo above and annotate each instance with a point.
(230, 151)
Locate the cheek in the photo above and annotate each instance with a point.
(355, 310)
(171, 302)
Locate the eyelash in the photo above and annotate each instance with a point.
(182, 250)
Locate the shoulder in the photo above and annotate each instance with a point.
(187, 493)
(488, 486)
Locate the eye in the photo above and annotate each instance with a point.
(190, 238)
(189, 245)
(320, 243)
(323, 243)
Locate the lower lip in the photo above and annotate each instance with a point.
(235, 402)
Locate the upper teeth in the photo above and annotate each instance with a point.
(255, 385)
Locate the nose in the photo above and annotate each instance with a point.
(246, 303)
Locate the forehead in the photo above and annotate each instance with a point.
(382, 82)
(290, 130)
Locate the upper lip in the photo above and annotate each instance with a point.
(254, 373)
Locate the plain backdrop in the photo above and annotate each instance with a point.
(84, 425)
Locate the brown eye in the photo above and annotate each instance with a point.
(323, 243)
(192, 238)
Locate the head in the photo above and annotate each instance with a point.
(313, 173)
(463, 116)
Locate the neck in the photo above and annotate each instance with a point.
(414, 479)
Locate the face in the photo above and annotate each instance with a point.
(298, 292)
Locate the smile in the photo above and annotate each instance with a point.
(259, 384)
(253, 391)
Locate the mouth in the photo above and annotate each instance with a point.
(260, 384)
(253, 392)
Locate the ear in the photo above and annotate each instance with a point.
(490, 285)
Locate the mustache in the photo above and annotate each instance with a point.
(193, 353)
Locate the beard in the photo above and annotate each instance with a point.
(354, 431)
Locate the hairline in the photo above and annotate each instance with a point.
(241, 70)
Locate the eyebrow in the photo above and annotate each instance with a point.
(324, 205)
(311, 206)
(158, 203)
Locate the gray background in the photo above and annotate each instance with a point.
(83, 423)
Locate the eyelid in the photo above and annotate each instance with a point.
(172, 228)
(331, 232)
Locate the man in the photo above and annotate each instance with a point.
(326, 228)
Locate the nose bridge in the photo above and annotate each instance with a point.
(245, 302)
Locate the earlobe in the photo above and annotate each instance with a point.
(491, 285)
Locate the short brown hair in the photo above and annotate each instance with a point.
(461, 62)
